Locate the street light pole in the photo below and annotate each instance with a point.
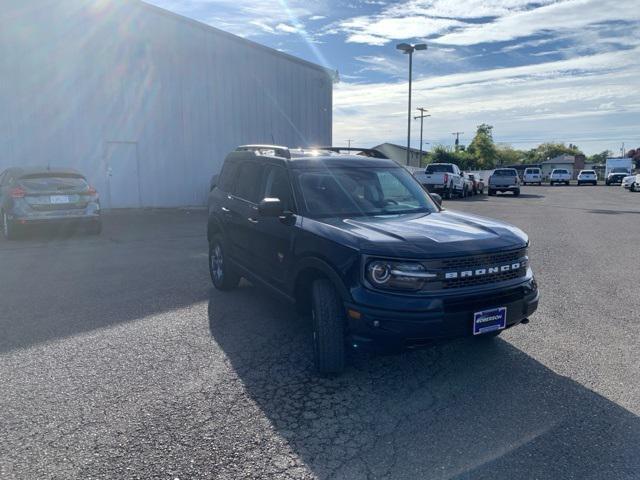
(409, 49)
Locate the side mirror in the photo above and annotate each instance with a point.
(214, 182)
(271, 207)
(436, 198)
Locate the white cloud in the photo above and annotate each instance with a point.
(564, 100)
(286, 28)
(421, 18)
(242, 16)
(562, 16)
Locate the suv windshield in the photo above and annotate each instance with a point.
(559, 171)
(619, 170)
(357, 191)
(439, 169)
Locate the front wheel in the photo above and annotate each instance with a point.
(223, 275)
(328, 328)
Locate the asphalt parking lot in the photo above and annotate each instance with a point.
(118, 360)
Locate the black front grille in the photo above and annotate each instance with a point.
(484, 260)
(473, 270)
(483, 280)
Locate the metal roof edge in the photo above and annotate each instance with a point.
(204, 26)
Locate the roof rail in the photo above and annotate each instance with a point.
(278, 150)
(366, 152)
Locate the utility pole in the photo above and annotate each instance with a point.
(422, 111)
(457, 134)
(349, 140)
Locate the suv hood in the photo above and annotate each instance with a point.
(425, 235)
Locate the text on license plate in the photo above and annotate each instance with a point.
(489, 320)
(57, 199)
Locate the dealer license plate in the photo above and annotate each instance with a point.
(489, 320)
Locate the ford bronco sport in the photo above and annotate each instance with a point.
(355, 241)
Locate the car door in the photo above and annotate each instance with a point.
(274, 238)
(242, 214)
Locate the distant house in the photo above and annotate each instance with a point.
(572, 163)
(399, 153)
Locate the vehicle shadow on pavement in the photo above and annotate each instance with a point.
(476, 409)
(58, 285)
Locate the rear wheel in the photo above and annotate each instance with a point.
(223, 275)
(328, 328)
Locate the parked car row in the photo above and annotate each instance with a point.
(448, 181)
(46, 196)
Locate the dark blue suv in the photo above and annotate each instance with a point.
(356, 241)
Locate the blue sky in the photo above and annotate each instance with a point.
(538, 71)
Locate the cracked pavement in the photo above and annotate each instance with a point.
(119, 361)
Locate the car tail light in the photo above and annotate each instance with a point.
(17, 192)
(446, 178)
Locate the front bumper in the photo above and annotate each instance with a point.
(439, 318)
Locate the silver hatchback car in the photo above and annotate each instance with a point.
(43, 195)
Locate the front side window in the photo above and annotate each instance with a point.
(248, 182)
(276, 185)
(358, 191)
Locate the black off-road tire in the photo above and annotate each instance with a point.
(223, 275)
(328, 328)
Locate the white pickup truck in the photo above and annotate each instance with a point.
(443, 178)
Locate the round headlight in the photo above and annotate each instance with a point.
(379, 272)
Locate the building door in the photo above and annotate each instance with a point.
(123, 180)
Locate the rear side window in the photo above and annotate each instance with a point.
(53, 183)
(228, 176)
(248, 183)
(439, 169)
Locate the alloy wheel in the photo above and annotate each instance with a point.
(217, 263)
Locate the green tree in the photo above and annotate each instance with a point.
(482, 148)
(599, 157)
(508, 155)
(548, 150)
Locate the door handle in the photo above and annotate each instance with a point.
(252, 220)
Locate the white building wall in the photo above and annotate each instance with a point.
(77, 75)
